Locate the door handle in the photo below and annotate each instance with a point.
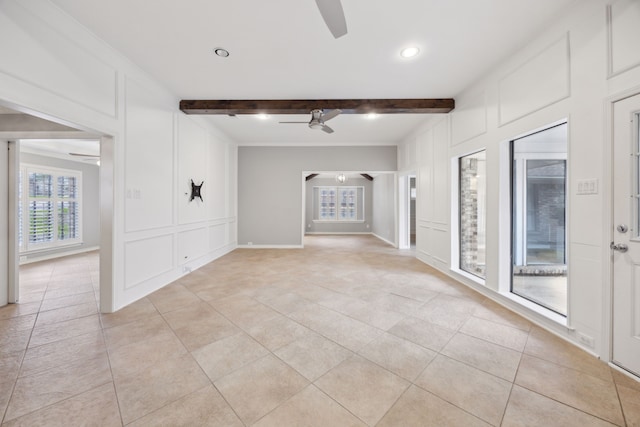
(620, 247)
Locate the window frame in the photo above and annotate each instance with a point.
(25, 245)
(525, 300)
(360, 201)
(458, 199)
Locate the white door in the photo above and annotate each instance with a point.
(626, 234)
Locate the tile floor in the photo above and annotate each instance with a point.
(347, 332)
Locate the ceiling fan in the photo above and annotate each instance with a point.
(318, 117)
(333, 15)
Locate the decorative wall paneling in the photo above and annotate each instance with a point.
(470, 121)
(622, 25)
(541, 81)
(148, 258)
(54, 68)
(90, 81)
(149, 182)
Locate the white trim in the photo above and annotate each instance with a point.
(505, 224)
(303, 220)
(316, 189)
(13, 274)
(607, 220)
(58, 255)
(337, 221)
(338, 232)
(384, 240)
(537, 308)
(55, 243)
(270, 246)
(624, 371)
(610, 71)
(534, 316)
(477, 279)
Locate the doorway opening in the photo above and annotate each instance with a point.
(57, 213)
(624, 254)
(407, 205)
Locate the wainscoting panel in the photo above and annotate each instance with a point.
(469, 119)
(149, 160)
(623, 20)
(192, 244)
(147, 258)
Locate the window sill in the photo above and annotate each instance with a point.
(466, 275)
(538, 309)
(51, 248)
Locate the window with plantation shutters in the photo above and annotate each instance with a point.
(49, 211)
(338, 204)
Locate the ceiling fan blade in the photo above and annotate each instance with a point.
(327, 129)
(84, 155)
(333, 15)
(331, 114)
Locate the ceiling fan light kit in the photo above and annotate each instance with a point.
(318, 117)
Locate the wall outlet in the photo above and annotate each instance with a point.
(308, 225)
(249, 243)
(367, 226)
(586, 340)
(186, 269)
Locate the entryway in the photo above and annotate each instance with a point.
(407, 200)
(625, 247)
(47, 193)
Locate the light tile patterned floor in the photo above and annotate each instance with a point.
(347, 332)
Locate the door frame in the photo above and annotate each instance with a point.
(106, 201)
(12, 241)
(404, 208)
(608, 233)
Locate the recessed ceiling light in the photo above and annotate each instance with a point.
(371, 116)
(221, 52)
(409, 52)
(263, 116)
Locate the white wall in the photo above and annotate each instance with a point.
(569, 71)
(4, 220)
(384, 208)
(55, 68)
(427, 154)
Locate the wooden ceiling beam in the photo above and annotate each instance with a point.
(304, 106)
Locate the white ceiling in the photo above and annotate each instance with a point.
(281, 49)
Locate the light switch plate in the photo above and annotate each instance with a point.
(587, 186)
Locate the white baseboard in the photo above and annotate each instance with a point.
(270, 246)
(46, 257)
(338, 232)
(384, 240)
